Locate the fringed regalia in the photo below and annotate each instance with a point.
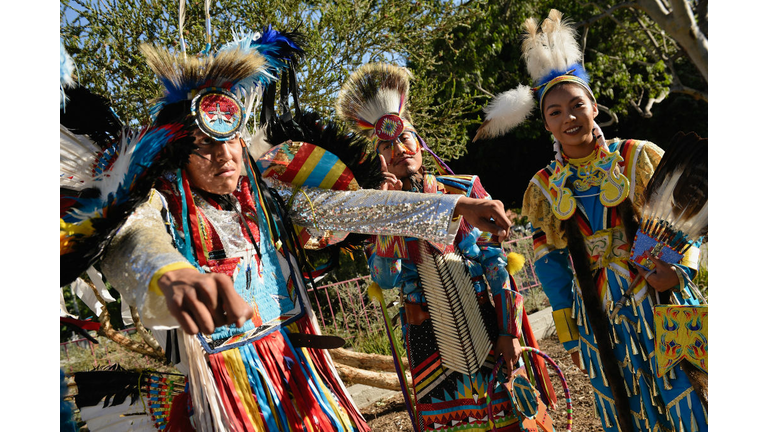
(263, 379)
(449, 400)
(584, 211)
(666, 403)
(450, 323)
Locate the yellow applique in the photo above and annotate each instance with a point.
(607, 246)
(564, 205)
(565, 325)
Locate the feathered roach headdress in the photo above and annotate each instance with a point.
(552, 56)
(222, 88)
(374, 100)
(107, 169)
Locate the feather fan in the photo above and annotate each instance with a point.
(674, 214)
(114, 398)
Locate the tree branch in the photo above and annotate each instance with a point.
(605, 12)
(611, 114)
(680, 24)
(145, 335)
(110, 333)
(696, 94)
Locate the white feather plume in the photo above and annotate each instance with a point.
(77, 155)
(66, 69)
(562, 36)
(506, 111)
(554, 48)
(386, 101)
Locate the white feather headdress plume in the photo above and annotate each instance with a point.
(371, 92)
(549, 51)
(506, 111)
(552, 51)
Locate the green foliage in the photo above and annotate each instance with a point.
(103, 37)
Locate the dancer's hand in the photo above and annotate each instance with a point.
(508, 347)
(390, 181)
(485, 215)
(201, 302)
(662, 278)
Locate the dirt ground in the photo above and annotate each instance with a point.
(389, 415)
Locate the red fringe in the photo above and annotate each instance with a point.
(178, 418)
(273, 350)
(324, 370)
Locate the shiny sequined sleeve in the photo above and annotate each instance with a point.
(141, 248)
(426, 216)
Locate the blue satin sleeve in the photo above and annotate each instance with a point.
(556, 277)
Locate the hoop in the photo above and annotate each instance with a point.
(568, 403)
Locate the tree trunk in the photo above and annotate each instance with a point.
(369, 362)
(680, 24)
(382, 380)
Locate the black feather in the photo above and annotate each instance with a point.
(679, 202)
(114, 385)
(689, 153)
(90, 114)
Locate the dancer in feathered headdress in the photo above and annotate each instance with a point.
(584, 204)
(450, 324)
(212, 246)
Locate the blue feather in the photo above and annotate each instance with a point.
(279, 50)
